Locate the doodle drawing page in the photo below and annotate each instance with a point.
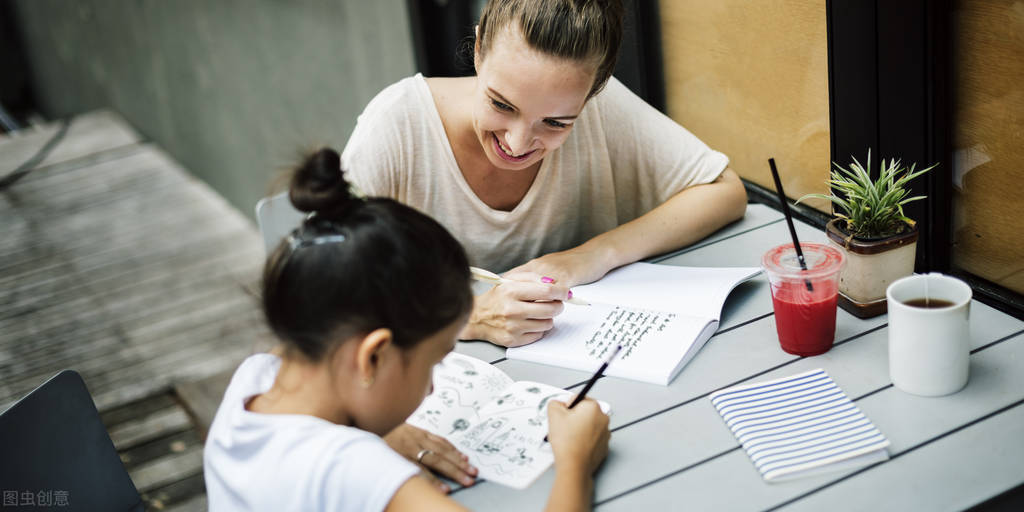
(661, 315)
(499, 424)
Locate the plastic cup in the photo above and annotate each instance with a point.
(805, 319)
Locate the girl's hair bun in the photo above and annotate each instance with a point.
(318, 186)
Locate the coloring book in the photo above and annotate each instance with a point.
(661, 315)
(498, 423)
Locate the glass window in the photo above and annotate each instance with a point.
(751, 80)
(988, 140)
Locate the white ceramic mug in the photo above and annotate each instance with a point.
(929, 347)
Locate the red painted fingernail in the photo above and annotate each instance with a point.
(570, 295)
(547, 280)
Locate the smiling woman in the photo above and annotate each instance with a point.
(542, 165)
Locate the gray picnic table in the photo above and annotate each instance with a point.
(670, 450)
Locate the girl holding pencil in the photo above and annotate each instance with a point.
(366, 297)
(542, 165)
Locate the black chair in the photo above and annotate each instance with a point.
(56, 452)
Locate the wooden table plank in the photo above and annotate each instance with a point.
(947, 474)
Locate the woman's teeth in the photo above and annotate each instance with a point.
(505, 150)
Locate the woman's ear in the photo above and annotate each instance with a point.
(369, 354)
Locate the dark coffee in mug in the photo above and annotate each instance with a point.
(928, 303)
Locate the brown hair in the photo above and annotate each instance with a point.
(356, 265)
(579, 30)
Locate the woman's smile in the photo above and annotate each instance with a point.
(506, 153)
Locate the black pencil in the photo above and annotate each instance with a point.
(590, 383)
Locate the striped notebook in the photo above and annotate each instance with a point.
(799, 425)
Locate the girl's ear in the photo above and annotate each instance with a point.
(369, 354)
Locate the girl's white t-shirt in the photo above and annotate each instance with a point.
(276, 462)
(622, 159)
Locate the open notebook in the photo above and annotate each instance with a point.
(799, 425)
(661, 314)
(498, 423)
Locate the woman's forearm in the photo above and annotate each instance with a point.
(685, 218)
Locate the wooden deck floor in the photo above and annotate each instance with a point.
(116, 263)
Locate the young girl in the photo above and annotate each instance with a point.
(542, 163)
(366, 296)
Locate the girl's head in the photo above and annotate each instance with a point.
(372, 289)
(537, 63)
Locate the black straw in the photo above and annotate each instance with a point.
(789, 221)
(590, 383)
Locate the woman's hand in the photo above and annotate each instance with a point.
(440, 456)
(578, 436)
(579, 265)
(515, 313)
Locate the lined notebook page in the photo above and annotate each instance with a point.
(799, 425)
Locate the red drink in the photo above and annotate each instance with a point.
(806, 321)
(804, 300)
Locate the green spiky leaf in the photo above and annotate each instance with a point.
(871, 208)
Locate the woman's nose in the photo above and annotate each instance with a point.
(518, 140)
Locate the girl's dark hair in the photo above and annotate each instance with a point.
(355, 265)
(578, 30)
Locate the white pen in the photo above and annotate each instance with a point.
(490, 277)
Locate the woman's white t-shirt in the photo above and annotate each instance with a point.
(277, 462)
(622, 159)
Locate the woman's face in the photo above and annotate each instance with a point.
(525, 101)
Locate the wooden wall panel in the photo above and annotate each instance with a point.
(989, 140)
(751, 80)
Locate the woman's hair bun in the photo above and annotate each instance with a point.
(318, 186)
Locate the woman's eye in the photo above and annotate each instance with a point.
(501, 106)
(555, 124)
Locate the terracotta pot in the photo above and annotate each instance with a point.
(871, 265)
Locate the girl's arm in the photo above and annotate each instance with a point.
(444, 459)
(417, 494)
(579, 439)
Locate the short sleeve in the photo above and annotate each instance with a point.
(651, 155)
(365, 475)
(372, 158)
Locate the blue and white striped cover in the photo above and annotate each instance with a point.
(799, 423)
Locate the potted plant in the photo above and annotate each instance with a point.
(878, 240)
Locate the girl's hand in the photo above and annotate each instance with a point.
(442, 457)
(515, 313)
(578, 436)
